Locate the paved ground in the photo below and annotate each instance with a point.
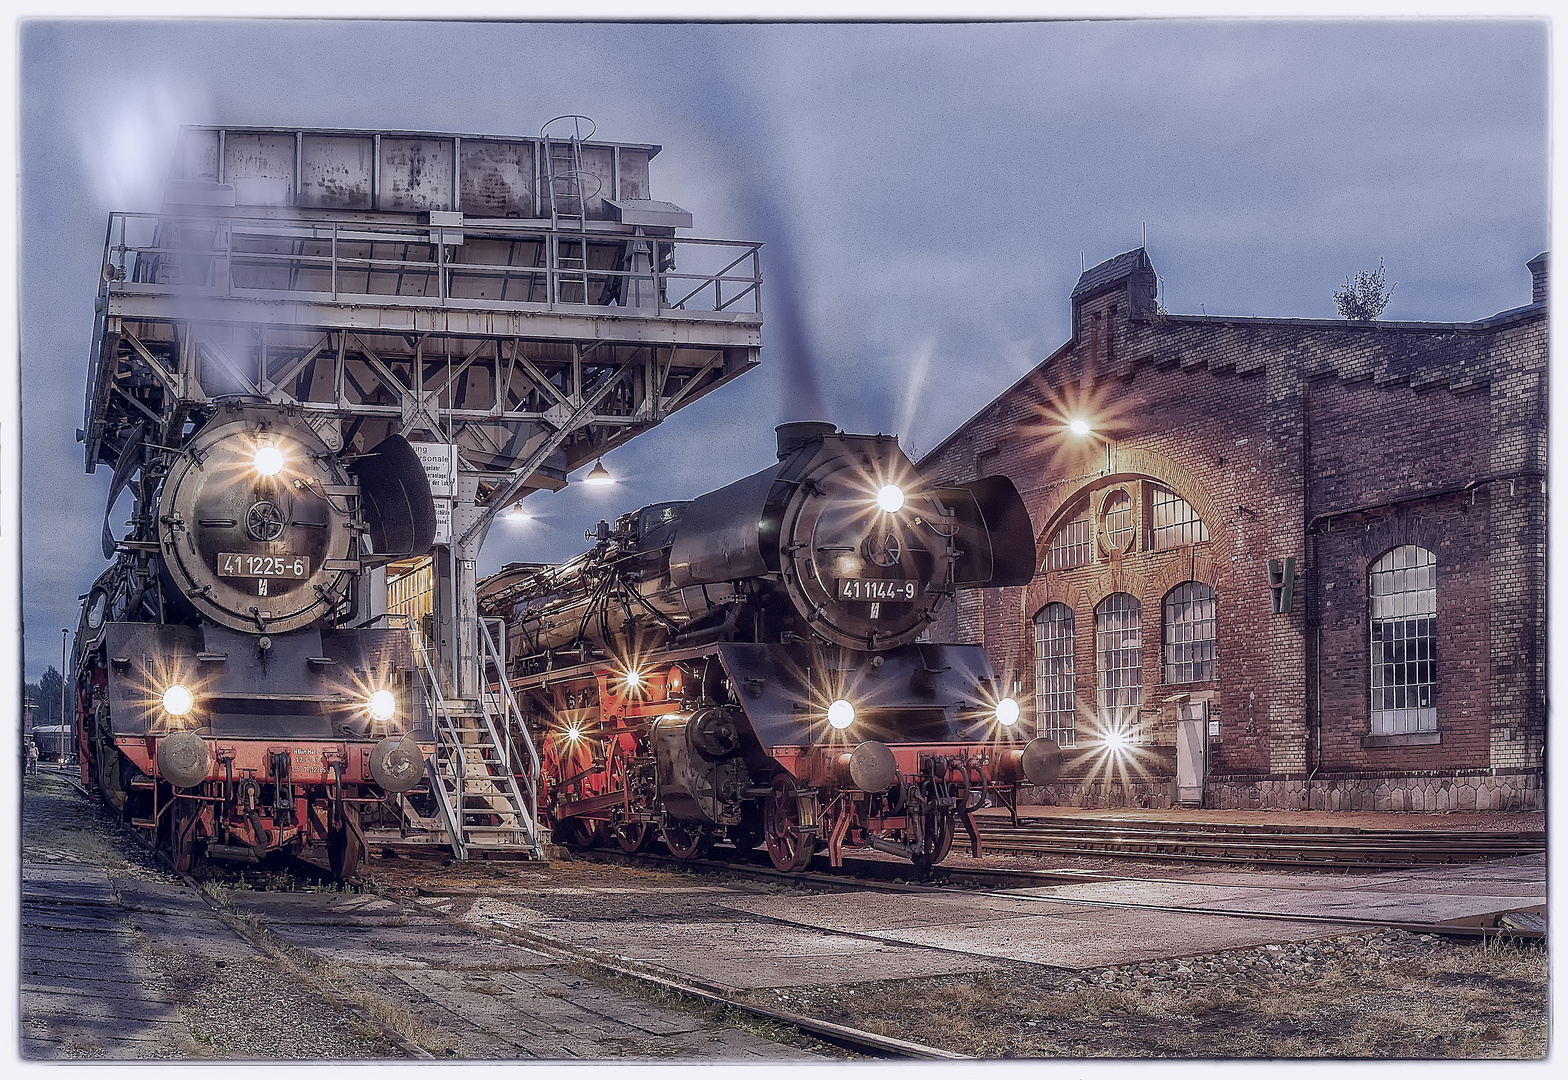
(121, 961)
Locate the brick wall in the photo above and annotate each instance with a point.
(1325, 442)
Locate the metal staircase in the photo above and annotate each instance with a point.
(483, 809)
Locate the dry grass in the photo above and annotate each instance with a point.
(1439, 1000)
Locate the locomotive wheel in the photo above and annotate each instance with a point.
(687, 840)
(633, 836)
(344, 849)
(579, 832)
(789, 848)
(748, 832)
(938, 840)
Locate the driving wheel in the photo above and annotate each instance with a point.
(789, 845)
(747, 833)
(687, 840)
(632, 836)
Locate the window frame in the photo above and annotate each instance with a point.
(1058, 724)
(1118, 705)
(1405, 656)
(1168, 666)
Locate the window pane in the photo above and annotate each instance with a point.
(1174, 522)
(1070, 545)
(1402, 595)
(1117, 514)
(1118, 634)
(1190, 651)
(1053, 674)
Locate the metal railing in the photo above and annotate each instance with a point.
(429, 265)
(451, 815)
(511, 718)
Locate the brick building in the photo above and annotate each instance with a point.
(1283, 562)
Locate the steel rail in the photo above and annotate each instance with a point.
(1386, 849)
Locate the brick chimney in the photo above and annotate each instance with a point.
(1537, 267)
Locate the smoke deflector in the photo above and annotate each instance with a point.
(395, 495)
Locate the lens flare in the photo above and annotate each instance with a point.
(1078, 426)
(178, 700)
(382, 705)
(890, 498)
(841, 714)
(1007, 712)
(573, 733)
(268, 461)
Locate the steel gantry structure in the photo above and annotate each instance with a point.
(514, 306)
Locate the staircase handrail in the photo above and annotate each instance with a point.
(452, 819)
(525, 804)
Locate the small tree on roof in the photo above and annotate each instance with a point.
(1364, 299)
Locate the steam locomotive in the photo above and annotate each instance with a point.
(226, 705)
(749, 665)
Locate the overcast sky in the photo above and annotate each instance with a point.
(935, 187)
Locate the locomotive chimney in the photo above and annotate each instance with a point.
(793, 436)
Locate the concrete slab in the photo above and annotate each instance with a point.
(407, 947)
(1005, 928)
(1450, 895)
(749, 955)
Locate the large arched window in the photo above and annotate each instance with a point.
(1189, 633)
(1402, 594)
(1118, 641)
(1053, 674)
(1069, 545)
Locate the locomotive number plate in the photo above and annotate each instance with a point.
(884, 590)
(262, 566)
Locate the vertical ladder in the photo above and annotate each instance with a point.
(563, 167)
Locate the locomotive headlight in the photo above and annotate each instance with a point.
(178, 700)
(382, 705)
(1007, 712)
(841, 714)
(268, 460)
(890, 499)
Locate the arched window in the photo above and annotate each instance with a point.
(1172, 521)
(1069, 545)
(1402, 594)
(1189, 633)
(1118, 641)
(1053, 674)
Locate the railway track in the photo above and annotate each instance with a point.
(1262, 844)
(861, 874)
(866, 1043)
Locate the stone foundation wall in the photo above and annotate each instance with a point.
(1428, 793)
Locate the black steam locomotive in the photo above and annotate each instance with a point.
(226, 704)
(749, 665)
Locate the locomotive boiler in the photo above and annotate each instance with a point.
(227, 703)
(751, 665)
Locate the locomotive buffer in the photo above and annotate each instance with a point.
(509, 307)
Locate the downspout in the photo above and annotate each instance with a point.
(1314, 747)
